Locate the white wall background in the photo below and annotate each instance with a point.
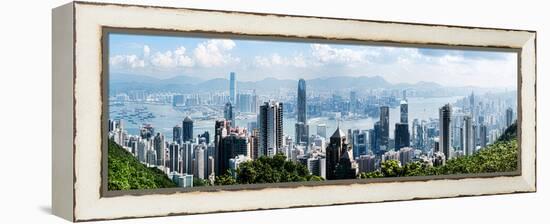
(25, 112)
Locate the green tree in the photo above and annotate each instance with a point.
(501, 156)
(198, 182)
(274, 169)
(373, 174)
(225, 179)
(415, 169)
(390, 168)
(125, 172)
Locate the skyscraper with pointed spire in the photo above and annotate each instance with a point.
(339, 158)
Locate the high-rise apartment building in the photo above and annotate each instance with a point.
(270, 125)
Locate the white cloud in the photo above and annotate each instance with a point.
(211, 53)
(131, 61)
(326, 54)
(396, 64)
(172, 59)
(214, 53)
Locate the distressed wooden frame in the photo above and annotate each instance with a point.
(78, 191)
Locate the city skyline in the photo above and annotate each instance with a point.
(166, 57)
(222, 132)
(345, 156)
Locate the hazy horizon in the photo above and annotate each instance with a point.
(165, 57)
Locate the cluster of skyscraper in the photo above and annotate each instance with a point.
(459, 130)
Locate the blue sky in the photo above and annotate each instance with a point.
(206, 58)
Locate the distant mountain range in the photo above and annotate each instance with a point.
(187, 84)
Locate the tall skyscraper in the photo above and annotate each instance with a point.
(301, 127)
(375, 139)
(186, 155)
(229, 114)
(270, 123)
(302, 133)
(445, 114)
(174, 151)
(483, 135)
(301, 102)
(509, 117)
(200, 162)
(177, 134)
(233, 87)
(187, 129)
(402, 137)
(404, 109)
(221, 130)
(468, 134)
(160, 148)
(384, 126)
(360, 143)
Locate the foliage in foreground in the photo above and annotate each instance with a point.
(125, 172)
(274, 169)
(501, 156)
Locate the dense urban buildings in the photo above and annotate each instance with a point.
(241, 125)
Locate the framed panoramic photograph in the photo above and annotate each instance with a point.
(168, 106)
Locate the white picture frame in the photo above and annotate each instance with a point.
(78, 191)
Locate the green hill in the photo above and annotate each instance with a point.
(510, 133)
(501, 156)
(125, 172)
